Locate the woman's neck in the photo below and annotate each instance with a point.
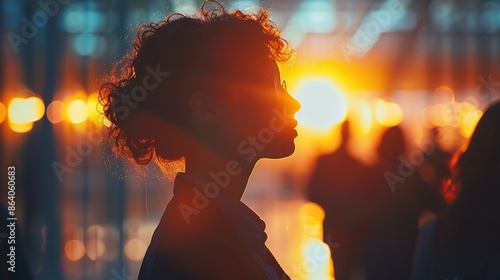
(229, 175)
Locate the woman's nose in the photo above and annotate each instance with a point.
(292, 104)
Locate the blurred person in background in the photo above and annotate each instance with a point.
(339, 184)
(397, 200)
(206, 90)
(464, 242)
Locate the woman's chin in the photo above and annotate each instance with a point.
(282, 151)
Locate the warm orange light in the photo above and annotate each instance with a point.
(316, 262)
(96, 109)
(106, 122)
(388, 113)
(21, 127)
(74, 250)
(135, 249)
(363, 113)
(77, 111)
(34, 109)
(311, 213)
(3, 113)
(311, 216)
(17, 111)
(23, 112)
(93, 106)
(55, 111)
(468, 119)
(323, 105)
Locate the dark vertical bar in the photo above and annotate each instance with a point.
(35, 213)
(3, 164)
(483, 44)
(42, 186)
(458, 55)
(122, 10)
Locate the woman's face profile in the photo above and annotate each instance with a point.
(259, 117)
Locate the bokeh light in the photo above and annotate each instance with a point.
(95, 249)
(21, 127)
(77, 111)
(34, 109)
(317, 261)
(444, 95)
(23, 111)
(439, 114)
(135, 249)
(388, 113)
(55, 111)
(316, 254)
(323, 105)
(17, 110)
(74, 250)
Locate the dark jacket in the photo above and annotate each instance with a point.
(197, 240)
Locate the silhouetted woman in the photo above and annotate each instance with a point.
(464, 243)
(205, 89)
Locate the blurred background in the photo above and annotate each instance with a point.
(84, 214)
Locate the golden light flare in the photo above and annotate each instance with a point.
(316, 254)
(106, 122)
(20, 127)
(23, 110)
(17, 110)
(461, 115)
(96, 110)
(34, 109)
(388, 113)
(468, 121)
(361, 115)
(323, 105)
(94, 107)
(77, 111)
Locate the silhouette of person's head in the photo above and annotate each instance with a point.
(392, 144)
(205, 82)
(479, 166)
(435, 134)
(345, 133)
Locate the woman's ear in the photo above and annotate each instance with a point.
(202, 107)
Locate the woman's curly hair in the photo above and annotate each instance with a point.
(168, 61)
